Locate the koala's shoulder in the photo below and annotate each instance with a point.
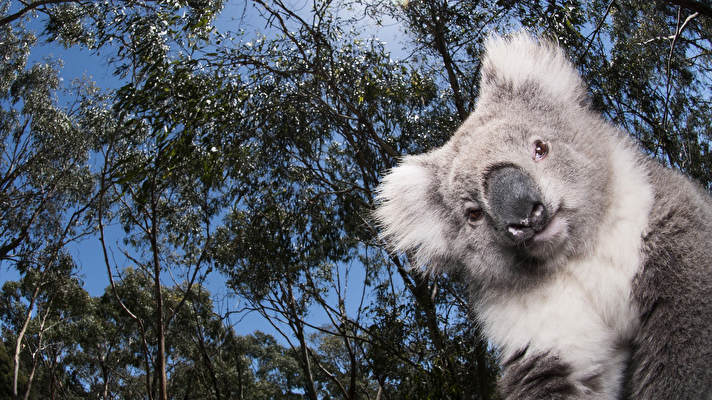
(673, 291)
(681, 206)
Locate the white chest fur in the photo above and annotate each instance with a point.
(585, 312)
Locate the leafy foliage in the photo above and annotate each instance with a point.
(254, 157)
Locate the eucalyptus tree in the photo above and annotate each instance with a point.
(160, 182)
(148, 161)
(44, 178)
(45, 181)
(649, 66)
(39, 314)
(329, 110)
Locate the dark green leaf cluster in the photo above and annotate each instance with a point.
(252, 158)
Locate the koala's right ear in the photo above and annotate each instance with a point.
(410, 208)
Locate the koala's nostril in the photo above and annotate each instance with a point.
(526, 228)
(538, 210)
(537, 216)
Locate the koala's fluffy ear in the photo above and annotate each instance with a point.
(518, 63)
(410, 209)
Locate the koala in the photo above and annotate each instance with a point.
(589, 262)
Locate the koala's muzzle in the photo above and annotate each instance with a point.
(516, 204)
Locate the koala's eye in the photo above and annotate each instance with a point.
(541, 149)
(474, 214)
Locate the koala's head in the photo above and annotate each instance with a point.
(521, 186)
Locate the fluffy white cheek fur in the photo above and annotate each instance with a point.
(409, 222)
(585, 311)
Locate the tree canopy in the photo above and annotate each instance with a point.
(249, 152)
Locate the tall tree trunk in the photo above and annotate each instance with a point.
(438, 30)
(240, 384)
(53, 378)
(20, 337)
(304, 352)
(37, 355)
(30, 379)
(102, 189)
(206, 358)
(105, 377)
(298, 329)
(160, 326)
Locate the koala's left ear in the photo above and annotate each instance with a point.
(515, 62)
(411, 212)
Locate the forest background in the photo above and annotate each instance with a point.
(196, 222)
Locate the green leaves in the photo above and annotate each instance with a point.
(257, 154)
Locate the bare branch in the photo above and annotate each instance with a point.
(596, 31)
(668, 85)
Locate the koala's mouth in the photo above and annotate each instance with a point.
(555, 227)
(533, 236)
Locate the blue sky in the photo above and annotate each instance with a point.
(79, 63)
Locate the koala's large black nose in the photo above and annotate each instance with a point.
(516, 203)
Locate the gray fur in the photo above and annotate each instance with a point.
(672, 351)
(653, 324)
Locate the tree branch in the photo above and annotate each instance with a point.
(668, 86)
(139, 322)
(12, 17)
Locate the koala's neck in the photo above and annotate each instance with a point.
(584, 311)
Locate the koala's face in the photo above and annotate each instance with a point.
(524, 190)
(522, 185)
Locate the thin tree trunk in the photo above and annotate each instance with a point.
(310, 388)
(698, 6)
(20, 337)
(206, 358)
(139, 322)
(160, 326)
(53, 379)
(240, 384)
(298, 329)
(30, 379)
(105, 377)
(36, 355)
(438, 30)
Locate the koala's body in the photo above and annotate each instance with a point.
(590, 264)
